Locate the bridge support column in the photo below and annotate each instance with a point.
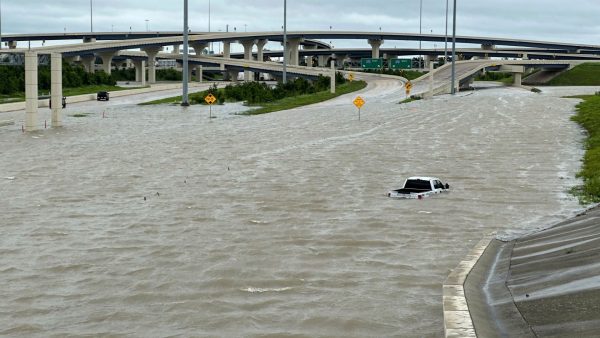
(248, 45)
(140, 71)
(31, 90)
(429, 60)
(518, 79)
(88, 63)
(89, 39)
(260, 56)
(152, 52)
(12, 44)
(176, 49)
(198, 47)
(293, 50)
(375, 44)
(226, 49)
(233, 75)
(106, 61)
(322, 61)
(199, 73)
(56, 88)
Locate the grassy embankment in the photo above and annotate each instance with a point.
(587, 74)
(306, 99)
(588, 116)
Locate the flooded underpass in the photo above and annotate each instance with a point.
(158, 221)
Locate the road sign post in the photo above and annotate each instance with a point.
(408, 87)
(358, 102)
(210, 99)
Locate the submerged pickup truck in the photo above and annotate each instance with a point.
(419, 187)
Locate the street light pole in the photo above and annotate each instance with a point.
(147, 24)
(446, 37)
(420, 30)
(184, 100)
(91, 17)
(285, 50)
(453, 91)
(0, 24)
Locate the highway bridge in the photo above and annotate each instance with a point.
(149, 46)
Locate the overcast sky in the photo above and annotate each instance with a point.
(553, 20)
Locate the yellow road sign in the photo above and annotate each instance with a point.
(358, 102)
(210, 99)
(408, 86)
(351, 77)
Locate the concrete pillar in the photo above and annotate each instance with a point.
(199, 73)
(88, 62)
(31, 90)
(12, 44)
(72, 59)
(56, 88)
(226, 49)
(260, 44)
(518, 78)
(332, 89)
(190, 73)
(428, 61)
(525, 56)
(248, 44)
(89, 39)
(152, 52)
(106, 61)
(375, 44)
(198, 46)
(175, 49)
(293, 50)
(309, 61)
(233, 75)
(322, 61)
(140, 71)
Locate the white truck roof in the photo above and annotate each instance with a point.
(424, 178)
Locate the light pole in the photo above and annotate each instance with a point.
(285, 50)
(0, 24)
(446, 37)
(91, 17)
(147, 24)
(211, 44)
(453, 91)
(184, 100)
(420, 30)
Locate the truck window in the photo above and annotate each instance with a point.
(418, 184)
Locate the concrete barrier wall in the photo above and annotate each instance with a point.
(457, 318)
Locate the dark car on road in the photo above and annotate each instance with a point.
(102, 96)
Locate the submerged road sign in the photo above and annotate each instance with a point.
(210, 99)
(359, 102)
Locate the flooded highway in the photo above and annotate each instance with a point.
(158, 221)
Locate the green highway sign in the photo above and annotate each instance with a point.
(368, 63)
(400, 63)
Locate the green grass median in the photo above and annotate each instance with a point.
(306, 99)
(588, 116)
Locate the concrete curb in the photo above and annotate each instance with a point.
(8, 107)
(457, 318)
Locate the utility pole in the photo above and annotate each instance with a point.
(285, 50)
(446, 37)
(1, 24)
(184, 100)
(453, 91)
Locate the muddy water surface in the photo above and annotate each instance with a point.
(158, 221)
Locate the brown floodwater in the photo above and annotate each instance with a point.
(158, 221)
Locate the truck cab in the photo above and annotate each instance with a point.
(419, 187)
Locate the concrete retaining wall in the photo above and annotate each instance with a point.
(457, 318)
